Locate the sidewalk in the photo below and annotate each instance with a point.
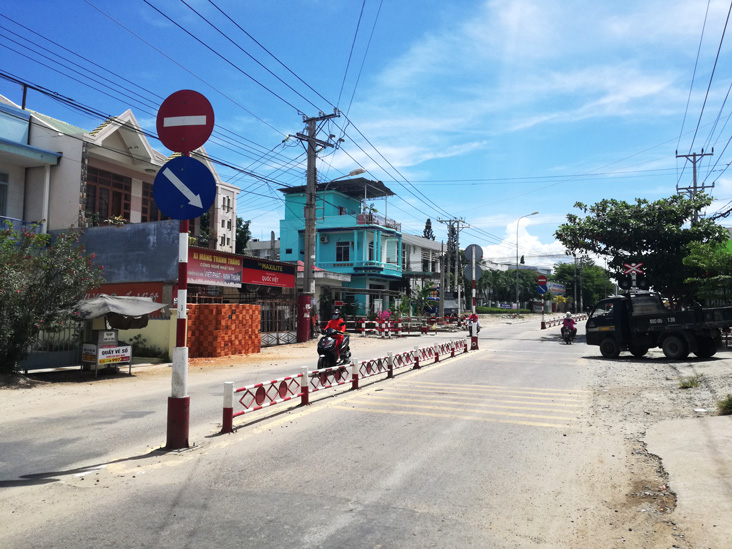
(697, 455)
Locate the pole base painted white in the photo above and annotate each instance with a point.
(179, 387)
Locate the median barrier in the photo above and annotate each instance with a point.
(300, 386)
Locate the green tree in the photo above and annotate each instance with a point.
(656, 234)
(712, 270)
(242, 235)
(41, 280)
(592, 281)
(428, 233)
(205, 230)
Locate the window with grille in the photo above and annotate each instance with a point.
(107, 194)
(343, 251)
(150, 210)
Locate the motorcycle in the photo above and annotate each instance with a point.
(568, 334)
(329, 354)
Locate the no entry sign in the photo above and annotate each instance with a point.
(185, 121)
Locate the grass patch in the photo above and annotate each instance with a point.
(724, 407)
(690, 382)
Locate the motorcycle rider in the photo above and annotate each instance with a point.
(339, 325)
(569, 324)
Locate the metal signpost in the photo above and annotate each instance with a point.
(474, 253)
(183, 189)
(542, 289)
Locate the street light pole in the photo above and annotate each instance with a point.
(517, 258)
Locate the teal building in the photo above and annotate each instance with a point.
(351, 238)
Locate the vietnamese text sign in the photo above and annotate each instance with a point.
(114, 355)
(268, 273)
(89, 353)
(212, 268)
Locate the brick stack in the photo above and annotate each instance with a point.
(216, 330)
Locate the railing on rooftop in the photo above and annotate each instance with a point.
(373, 219)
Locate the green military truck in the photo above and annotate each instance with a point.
(638, 322)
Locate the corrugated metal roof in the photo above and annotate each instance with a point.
(63, 127)
(350, 187)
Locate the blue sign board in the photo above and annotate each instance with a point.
(541, 289)
(184, 188)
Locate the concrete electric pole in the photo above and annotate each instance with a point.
(694, 158)
(308, 287)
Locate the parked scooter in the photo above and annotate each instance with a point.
(329, 354)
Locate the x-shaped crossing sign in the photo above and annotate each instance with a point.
(633, 268)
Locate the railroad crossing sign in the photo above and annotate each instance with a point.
(185, 121)
(184, 188)
(633, 268)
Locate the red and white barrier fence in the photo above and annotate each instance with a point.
(262, 395)
(557, 321)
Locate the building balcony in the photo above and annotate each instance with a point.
(352, 221)
(363, 267)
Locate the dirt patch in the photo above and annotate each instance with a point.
(16, 381)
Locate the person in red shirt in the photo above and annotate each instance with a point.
(339, 325)
(569, 324)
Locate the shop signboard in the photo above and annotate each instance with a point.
(268, 273)
(212, 268)
(556, 289)
(114, 355)
(89, 353)
(102, 355)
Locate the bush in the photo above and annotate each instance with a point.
(724, 407)
(41, 279)
(140, 347)
(690, 382)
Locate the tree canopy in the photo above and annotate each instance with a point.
(657, 234)
(428, 232)
(592, 282)
(41, 280)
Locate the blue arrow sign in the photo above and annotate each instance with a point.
(541, 289)
(184, 188)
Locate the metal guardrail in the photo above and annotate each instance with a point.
(269, 393)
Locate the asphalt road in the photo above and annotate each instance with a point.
(485, 450)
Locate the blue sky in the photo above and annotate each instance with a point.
(482, 110)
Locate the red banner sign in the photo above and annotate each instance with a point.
(268, 273)
(212, 268)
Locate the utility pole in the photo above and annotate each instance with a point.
(308, 286)
(441, 309)
(694, 158)
(457, 273)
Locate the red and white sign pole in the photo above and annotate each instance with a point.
(185, 121)
(179, 403)
(473, 310)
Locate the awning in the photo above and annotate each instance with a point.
(122, 312)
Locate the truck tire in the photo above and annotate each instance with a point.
(609, 347)
(706, 347)
(638, 350)
(675, 348)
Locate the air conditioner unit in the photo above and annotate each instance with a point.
(323, 239)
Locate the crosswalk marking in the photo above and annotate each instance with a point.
(456, 416)
(534, 406)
